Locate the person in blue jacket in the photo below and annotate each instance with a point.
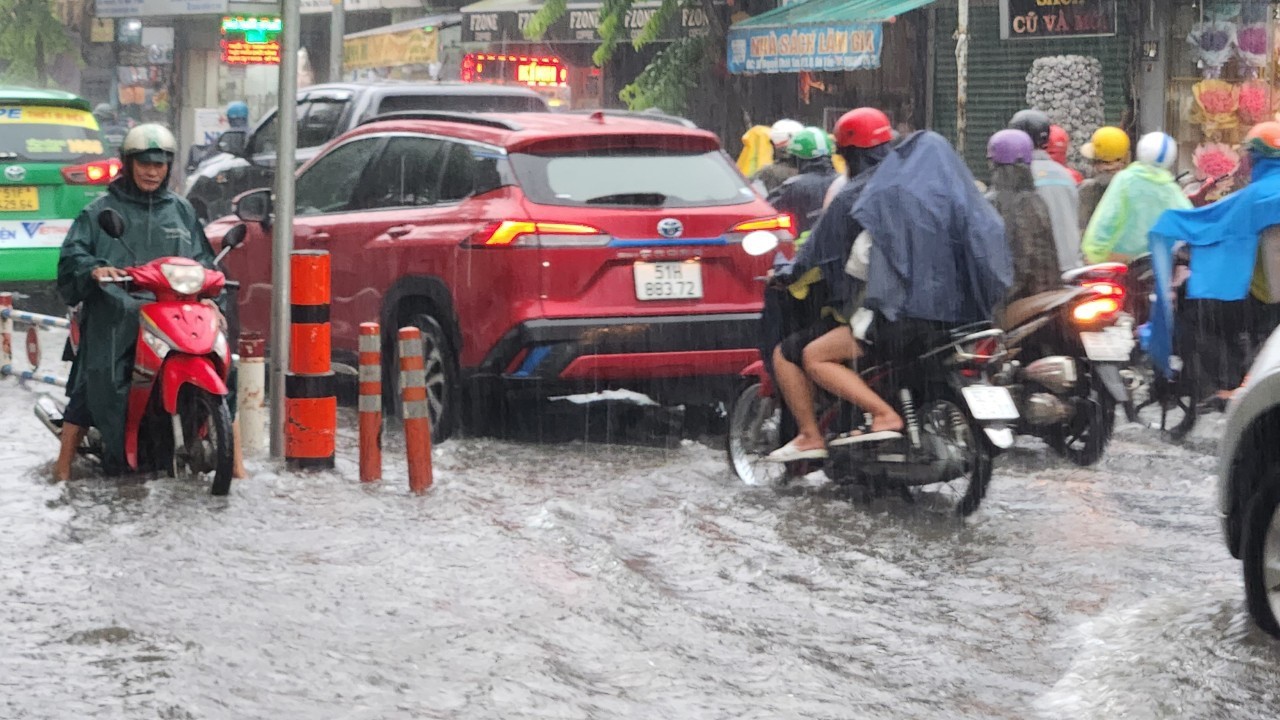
(1223, 241)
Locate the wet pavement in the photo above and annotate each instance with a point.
(591, 580)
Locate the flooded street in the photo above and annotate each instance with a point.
(612, 581)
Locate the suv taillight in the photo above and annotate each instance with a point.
(100, 172)
(519, 233)
(784, 226)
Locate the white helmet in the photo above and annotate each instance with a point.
(1158, 150)
(782, 132)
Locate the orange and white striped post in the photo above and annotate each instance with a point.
(370, 402)
(417, 409)
(311, 399)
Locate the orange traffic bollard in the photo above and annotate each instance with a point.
(416, 413)
(311, 401)
(370, 402)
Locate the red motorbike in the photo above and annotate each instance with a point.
(178, 416)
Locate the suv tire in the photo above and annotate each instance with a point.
(443, 390)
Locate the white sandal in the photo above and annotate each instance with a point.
(790, 453)
(871, 437)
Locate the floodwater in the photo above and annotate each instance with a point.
(590, 580)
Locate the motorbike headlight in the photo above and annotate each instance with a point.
(158, 345)
(184, 279)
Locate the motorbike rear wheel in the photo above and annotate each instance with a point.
(207, 437)
(946, 420)
(1084, 438)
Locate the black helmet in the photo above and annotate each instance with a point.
(1034, 123)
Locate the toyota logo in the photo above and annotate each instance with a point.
(15, 173)
(670, 228)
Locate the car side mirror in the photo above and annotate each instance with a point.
(112, 223)
(253, 206)
(233, 142)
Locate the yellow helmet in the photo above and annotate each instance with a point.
(1109, 144)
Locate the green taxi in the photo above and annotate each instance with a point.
(52, 164)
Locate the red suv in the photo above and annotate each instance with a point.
(541, 254)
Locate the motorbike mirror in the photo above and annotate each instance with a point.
(235, 236)
(759, 242)
(233, 142)
(253, 206)
(112, 223)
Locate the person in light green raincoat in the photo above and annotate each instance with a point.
(1134, 200)
(158, 223)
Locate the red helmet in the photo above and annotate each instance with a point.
(1059, 141)
(863, 128)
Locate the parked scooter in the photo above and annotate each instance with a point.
(956, 421)
(1067, 348)
(177, 418)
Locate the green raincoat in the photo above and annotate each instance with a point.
(1134, 200)
(159, 224)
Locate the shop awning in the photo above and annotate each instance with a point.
(815, 35)
(413, 42)
(504, 21)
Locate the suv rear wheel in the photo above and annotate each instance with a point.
(441, 365)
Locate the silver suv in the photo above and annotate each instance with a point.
(246, 161)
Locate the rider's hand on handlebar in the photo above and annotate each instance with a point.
(108, 273)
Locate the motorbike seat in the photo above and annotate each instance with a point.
(1023, 310)
(1106, 269)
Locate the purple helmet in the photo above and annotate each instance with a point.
(1009, 147)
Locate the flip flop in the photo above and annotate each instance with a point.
(790, 453)
(870, 437)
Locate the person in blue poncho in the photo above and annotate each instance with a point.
(937, 258)
(1223, 240)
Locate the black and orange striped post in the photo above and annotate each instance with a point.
(311, 402)
(370, 402)
(416, 409)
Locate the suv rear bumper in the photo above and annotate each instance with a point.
(684, 358)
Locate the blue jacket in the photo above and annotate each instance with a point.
(938, 247)
(1223, 238)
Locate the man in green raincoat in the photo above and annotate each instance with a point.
(1133, 201)
(158, 223)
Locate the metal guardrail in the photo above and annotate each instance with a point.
(11, 316)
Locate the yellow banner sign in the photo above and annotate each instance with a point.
(410, 47)
(40, 115)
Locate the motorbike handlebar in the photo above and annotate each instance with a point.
(116, 280)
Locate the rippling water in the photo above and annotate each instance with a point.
(614, 581)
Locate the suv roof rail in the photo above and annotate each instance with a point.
(637, 115)
(458, 117)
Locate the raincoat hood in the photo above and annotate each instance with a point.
(757, 151)
(1223, 238)
(939, 249)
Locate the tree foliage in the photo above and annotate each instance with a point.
(667, 81)
(31, 38)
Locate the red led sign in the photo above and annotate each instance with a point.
(514, 69)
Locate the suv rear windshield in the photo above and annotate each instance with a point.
(632, 178)
(461, 103)
(34, 133)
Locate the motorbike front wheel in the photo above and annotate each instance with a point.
(206, 435)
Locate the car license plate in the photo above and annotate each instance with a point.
(988, 402)
(668, 280)
(1110, 345)
(19, 199)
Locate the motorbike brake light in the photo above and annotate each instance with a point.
(1091, 311)
(99, 172)
(1107, 289)
(517, 233)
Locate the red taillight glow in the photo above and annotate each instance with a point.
(100, 172)
(1095, 310)
(1107, 289)
(510, 233)
(778, 222)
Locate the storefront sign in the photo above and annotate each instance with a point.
(251, 40)
(419, 46)
(152, 8)
(580, 23)
(855, 46)
(209, 126)
(1030, 19)
(317, 7)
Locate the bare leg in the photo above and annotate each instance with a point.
(71, 437)
(237, 463)
(797, 393)
(827, 362)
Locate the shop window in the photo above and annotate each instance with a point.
(328, 185)
(406, 174)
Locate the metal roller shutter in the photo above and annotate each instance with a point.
(998, 71)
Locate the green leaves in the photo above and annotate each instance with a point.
(31, 38)
(668, 80)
